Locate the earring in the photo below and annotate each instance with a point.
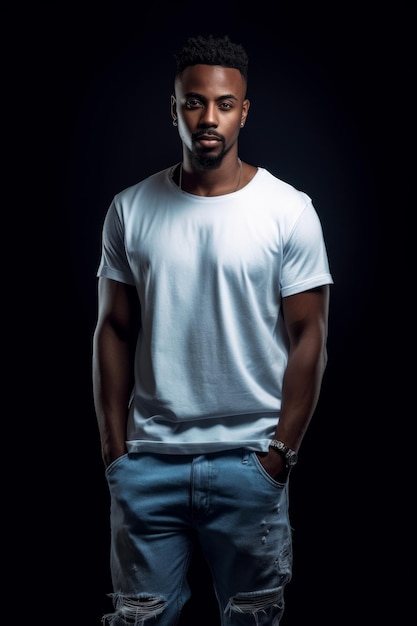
(242, 125)
(174, 122)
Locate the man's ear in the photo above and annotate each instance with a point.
(245, 111)
(173, 109)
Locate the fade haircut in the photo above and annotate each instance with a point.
(212, 51)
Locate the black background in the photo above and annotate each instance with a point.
(329, 89)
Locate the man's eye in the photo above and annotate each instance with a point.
(192, 104)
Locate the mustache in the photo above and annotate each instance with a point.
(195, 136)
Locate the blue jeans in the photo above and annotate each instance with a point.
(161, 504)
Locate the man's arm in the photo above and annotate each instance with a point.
(306, 320)
(114, 343)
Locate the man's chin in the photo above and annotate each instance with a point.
(208, 161)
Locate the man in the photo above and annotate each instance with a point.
(209, 353)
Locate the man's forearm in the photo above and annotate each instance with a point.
(112, 386)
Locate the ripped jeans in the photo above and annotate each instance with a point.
(161, 504)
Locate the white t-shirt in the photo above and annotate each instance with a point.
(210, 273)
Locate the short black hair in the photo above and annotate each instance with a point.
(212, 50)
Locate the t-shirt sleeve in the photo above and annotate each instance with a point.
(305, 260)
(114, 262)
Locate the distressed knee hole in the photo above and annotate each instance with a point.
(255, 601)
(134, 610)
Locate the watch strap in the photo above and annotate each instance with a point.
(290, 456)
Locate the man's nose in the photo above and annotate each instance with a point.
(209, 116)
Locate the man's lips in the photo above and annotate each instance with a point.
(207, 140)
(207, 135)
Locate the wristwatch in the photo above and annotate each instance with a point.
(290, 456)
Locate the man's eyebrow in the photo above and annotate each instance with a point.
(192, 94)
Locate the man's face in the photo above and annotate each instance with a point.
(210, 106)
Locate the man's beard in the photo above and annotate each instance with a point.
(205, 161)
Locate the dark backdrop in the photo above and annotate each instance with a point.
(324, 84)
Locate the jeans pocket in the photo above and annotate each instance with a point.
(110, 468)
(258, 465)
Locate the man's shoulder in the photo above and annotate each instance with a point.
(280, 189)
(148, 182)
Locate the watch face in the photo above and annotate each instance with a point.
(292, 459)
